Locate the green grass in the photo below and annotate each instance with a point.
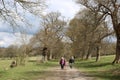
(31, 71)
(102, 70)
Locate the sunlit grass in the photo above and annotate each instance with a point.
(32, 70)
(102, 70)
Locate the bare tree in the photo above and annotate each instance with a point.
(51, 32)
(13, 11)
(85, 33)
(107, 8)
(76, 33)
(24, 47)
(10, 52)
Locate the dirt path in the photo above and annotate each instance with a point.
(67, 74)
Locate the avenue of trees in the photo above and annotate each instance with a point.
(88, 34)
(106, 8)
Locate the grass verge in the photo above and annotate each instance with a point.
(102, 70)
(31, 71)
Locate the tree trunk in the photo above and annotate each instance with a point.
(83, 55)
(49, 56)
(117, 56)
(44, 54)
(98, 54)
(88, 56)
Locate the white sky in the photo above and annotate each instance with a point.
(68, 8)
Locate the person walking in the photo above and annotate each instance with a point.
(71, 62)
(62, 62)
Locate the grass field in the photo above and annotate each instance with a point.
(31, 71)
(102, 70)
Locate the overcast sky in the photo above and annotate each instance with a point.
(68, 8)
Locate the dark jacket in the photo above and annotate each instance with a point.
(71, 60)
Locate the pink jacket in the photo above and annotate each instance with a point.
(62, 61)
